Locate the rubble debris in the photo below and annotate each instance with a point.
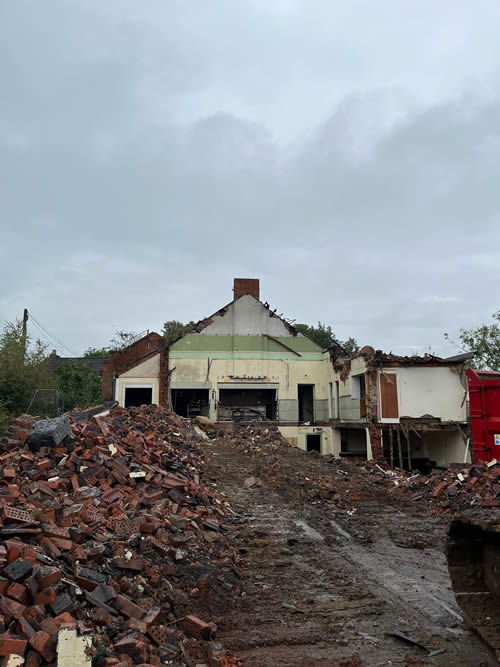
(459, 487)
(73, 651)
(108, 539)
(249, 482)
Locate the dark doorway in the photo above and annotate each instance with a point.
(306, 402)
(190, 402)
(247, 404)
(313, 442)
(135, 396)
(353, 442)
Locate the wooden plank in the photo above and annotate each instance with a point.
(391, 438)
(400, 451)
(407, 436)
(389, 395)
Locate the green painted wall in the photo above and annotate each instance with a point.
(199, 343)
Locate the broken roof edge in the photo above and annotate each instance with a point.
(206, 321)
(119, 362)
(150, 334)
(378, 357)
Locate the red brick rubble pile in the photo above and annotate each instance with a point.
(111, 536)
(459, 487)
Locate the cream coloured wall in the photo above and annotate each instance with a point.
(330, 437)
(246, 317)
(148, 369)
(287, 373)
(358, 366)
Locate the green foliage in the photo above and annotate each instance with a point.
(172, 330)
(5, 419)
(96, 352)
(323, 336)
(79, 386)
(484, 341)
(350, 346)
(23, 368)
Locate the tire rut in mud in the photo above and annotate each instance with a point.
(324, 587)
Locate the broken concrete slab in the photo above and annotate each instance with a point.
(49, 433)
(72, 650)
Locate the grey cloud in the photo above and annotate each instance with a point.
(149, 154)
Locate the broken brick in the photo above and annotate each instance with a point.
(19, 570)
(10, 645)
(195, 627)
(44, 644)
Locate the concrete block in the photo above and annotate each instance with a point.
(72, 651)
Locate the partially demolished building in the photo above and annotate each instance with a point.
(246, 363)
(410, 410)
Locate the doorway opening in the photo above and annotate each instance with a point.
(306, 402)
(136, 396)
(313, 442)
(190, 402)
(353, 442)
(358, 391)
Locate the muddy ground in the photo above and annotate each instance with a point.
(328, 579)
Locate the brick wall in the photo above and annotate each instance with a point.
(120, 362)
(371, 397)
(376, 442)
(164, 379)
(246, 286)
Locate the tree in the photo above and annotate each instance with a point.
(484, 341)
(173, 329)
(350, 346)
(122, 339)
(323, 336)
(96, 352)
(79, 386)
(23, 368)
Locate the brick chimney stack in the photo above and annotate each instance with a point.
(246, 286)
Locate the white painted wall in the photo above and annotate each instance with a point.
(246, 317)
(444, 447)
(435, 391)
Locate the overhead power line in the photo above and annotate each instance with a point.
(50, 336)
(36, 331)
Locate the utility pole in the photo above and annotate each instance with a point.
(25, 332)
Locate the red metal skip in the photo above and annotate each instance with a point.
(484, 397)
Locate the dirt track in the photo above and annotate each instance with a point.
(325, 585)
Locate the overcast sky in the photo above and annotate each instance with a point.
(346, 153)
